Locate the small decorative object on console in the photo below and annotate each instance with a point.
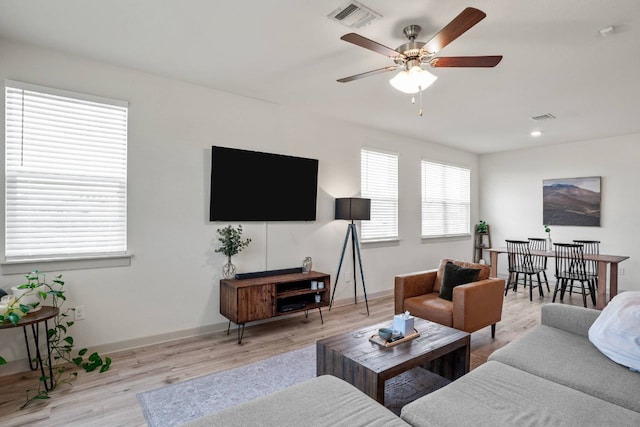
(306, 264)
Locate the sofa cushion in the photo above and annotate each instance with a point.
(616, 332)
(431, 307)
(321, 401)
(483, 274)
(495, 394)
(455, 275)
(572, 360)
(574, 319)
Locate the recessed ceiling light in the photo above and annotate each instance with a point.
(536, 133)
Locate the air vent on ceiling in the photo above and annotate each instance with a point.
(547, 116)
(354, 15)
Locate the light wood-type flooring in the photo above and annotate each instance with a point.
(109, 399)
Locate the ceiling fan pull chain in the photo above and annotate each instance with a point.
(420, 110)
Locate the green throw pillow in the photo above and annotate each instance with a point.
(455, 275)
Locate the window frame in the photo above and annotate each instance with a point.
(16, 262)
(458, 228)
(383, 225)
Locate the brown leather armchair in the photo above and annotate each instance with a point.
(474, 305)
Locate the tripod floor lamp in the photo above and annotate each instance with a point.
(352, 208)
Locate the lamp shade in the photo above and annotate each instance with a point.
(413, 81)
(353, 208)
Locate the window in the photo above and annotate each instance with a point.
(379, 182)
(445, 200)
(65, 174)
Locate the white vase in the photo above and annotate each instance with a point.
(549, 244)
(29, 296)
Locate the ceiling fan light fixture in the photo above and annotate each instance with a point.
(413, 81)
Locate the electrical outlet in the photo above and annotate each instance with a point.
(620, 271)
(79, 312)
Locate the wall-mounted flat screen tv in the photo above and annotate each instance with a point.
(255, 186)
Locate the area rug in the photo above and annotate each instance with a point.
(179, 403)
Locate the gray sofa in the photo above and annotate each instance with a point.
(552, 376)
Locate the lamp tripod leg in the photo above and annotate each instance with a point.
(354, 239)
(344, 247)
(364, 288)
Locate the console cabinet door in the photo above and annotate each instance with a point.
(256, 303)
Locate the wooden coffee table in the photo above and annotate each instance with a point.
(367, 365)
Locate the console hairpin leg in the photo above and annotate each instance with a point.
(321, 319)
(240, 330)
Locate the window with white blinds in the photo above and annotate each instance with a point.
(379, 182)
(65, 174)
(446, 195)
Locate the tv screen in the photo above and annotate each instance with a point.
(254, 186)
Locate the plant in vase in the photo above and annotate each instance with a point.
(63, 364)
(232, 244)
(547, 230)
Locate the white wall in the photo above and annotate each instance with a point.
(511, 196)
(171, 287)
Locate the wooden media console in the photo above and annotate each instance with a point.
(258, 298)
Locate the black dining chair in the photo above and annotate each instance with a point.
(540, 244)
(571, 267)
(590, 247)
(521, 262)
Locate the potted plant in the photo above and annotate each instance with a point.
(23, 299)
(63, 364)
(30, 294)
(232, 244)
(482, 227)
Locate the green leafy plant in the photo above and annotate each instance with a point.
(547, 230)
(231, 239)
(482, 227)
(63, 363)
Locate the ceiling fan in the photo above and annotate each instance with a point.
(411, 55)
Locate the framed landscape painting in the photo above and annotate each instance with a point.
(571, 201)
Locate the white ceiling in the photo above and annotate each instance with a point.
(288, 52)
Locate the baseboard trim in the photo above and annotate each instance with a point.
(22, 365)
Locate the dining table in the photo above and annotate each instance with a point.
(605, 263)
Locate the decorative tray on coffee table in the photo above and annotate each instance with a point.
(376, 339)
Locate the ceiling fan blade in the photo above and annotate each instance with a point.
(368, 73)
(370, 44)
(465, 61)
(454, 29)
